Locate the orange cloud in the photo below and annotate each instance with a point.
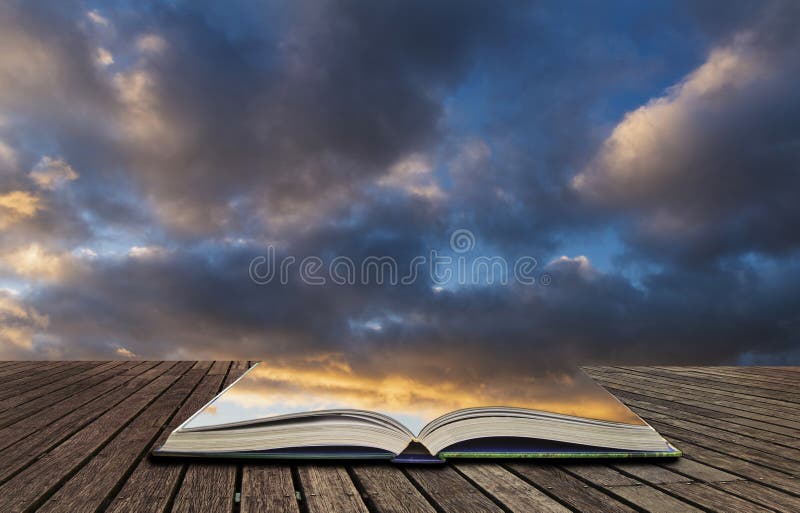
(16, 206)
(329, 383)
(640, 154)
(36, 262)
(52, 173)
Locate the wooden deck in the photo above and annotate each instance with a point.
(74, 437)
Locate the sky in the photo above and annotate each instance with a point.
(641, 159)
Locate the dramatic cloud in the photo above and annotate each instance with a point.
(19, 324)
(52, 173)
(711, 168)
(646, 156)
(17, 205)
(35, 263)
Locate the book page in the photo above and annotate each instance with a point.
(283, 387)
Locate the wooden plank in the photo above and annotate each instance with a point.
(734, 438)
(740, 377)
(718, 414)
(449, 490)
(154, 482)
(705, 389)
(771, 381)
(41, 403)
(741, 468)
(154, 363)
(775, 408)
(268, 488)
(599, 474)
(680, 470)
(60, 389)
(697, 386)
(386, 489)
(92, 485)
(24, 369)
(763, 495)
(653, 500)
(329, 489)
(737, 457)
(789, 372)
(713, 499)
(638, 493)
(96, 387)
(212, 482)
(726, 408)
(35, 442)
(647, 497)
(514, 493)
(650, 473)
(786, 465)
(761, 425)
(716, 373)
(198, 490)
(568, 489)
(238, 368)
(33, 382)
(763, 373)
(659, 476)
(20, 364)
(36, 482)
(699, 471)
(752, 438)
(789, 379)
(655, 408)
(723, 385)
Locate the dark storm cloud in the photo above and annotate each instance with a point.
(711, 168)
(46, 70)
(300, 111)
(202, 107)
(542, 122)
(197, 305)
(201, 132)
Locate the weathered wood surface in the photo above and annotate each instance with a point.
(75, 437)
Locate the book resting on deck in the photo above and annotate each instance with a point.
(271, 413)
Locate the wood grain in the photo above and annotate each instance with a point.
(91, 486)
(513, 492)
(569, 489)
(211, 483)
(449, 490)
(329, 489)
(75, 437)
(268, 488)
(387, 489)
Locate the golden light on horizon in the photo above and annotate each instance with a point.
(329, 383)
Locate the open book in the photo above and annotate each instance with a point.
(272, 413)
